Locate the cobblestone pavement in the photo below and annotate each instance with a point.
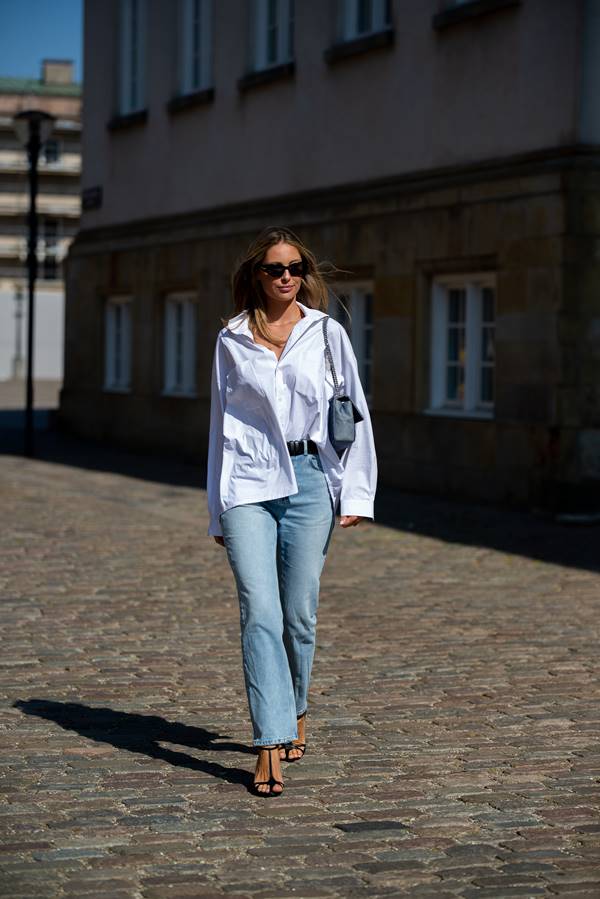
(454, 715)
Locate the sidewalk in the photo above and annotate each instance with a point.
(45, 393)
(12, 410)
(454, 714)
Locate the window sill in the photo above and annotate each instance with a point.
(179, 395)
(477, 414)
(359, 45)
(116, 389)
(189, 101)
(119, 122)
(281, 72)
(466, 11)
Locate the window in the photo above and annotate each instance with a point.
(50, 244)
(273, 33)
(132, 86)
(196, 45)
(51, 151)
(180, 345)
(359, 18)
(117, 358)
(463, 345)
(358, 300)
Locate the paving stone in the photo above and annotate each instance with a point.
(453, 725)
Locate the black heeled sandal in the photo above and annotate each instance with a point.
(289, 746)
(271, 781)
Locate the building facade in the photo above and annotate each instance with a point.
(443, 155)
(59, 207)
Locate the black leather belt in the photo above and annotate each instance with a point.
(297, 446)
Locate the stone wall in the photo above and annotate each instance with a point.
(536, 228)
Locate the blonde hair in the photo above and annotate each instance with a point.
(247, 291)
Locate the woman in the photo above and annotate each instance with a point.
(275, 480)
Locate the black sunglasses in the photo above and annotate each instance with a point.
(276, 269)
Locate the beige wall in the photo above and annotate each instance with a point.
(60, 107)
(502, 84)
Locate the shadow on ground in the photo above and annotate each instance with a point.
(141, 734)
(59, 448)
(509, 530)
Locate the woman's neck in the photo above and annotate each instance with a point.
(280, 313)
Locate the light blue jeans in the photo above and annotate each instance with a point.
(277, 550)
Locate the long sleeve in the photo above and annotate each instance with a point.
(360, 464)
(215, 442)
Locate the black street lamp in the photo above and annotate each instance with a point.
(33, 128)
(17, 364)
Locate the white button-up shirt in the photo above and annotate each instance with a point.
(258, 403)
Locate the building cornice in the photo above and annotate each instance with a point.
(10, 85)
(309, 206)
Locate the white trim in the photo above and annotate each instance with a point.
(180, 339)
(132, 56)
(439, 328)
(117, 344)
(473, 342)
(471, 405)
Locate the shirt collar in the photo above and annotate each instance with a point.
(239, 324)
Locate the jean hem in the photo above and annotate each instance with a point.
(265, 742)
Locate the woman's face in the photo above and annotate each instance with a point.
(285, 287)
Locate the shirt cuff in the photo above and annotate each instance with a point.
(362, 507)
(215, 530)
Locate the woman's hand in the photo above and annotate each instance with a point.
(220, 541)
(350, 521)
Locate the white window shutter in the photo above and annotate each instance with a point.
(168, 347)
(439, 324)
(473, 347)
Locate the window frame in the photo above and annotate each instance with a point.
(349, 11)
(187, 84)
(55, 142)
(285, 36)
(354, 296)
(471, 406)
(132, 71)
(112, 382)
(188, 385)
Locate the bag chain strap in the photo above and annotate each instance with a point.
(330, 357)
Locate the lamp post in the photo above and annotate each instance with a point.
(17, 366)
(33, 128)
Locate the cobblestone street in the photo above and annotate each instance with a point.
(454, 716)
